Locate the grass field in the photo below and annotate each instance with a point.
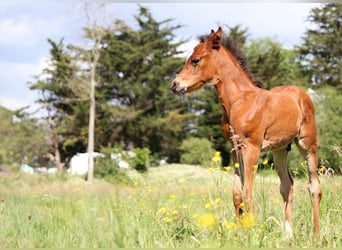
(170, 206)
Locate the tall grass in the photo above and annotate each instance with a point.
(172, 206)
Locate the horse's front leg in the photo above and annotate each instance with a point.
(245, 164)
(237, 187)
(250, 162)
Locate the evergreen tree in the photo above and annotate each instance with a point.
(321, 52)
(59, 100)
(273, 65)
(135, 106)
(21, 140)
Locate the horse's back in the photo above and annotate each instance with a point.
(288, 109)
(297, 94)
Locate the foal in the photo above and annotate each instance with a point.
(255, 119)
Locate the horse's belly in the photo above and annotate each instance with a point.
(271, 145)
(278, 140)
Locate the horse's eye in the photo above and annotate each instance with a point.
(195, 61)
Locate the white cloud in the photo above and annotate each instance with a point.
(13, 82)
(14, 32)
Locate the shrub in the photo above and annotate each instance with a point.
(108, 169)
(196, 151)
(140, 160)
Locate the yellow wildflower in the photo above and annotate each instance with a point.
(217, 157)
(195, 216)
(172, 197)
(236, 165)
(228, 168)
(181, 181)
(174, 213)
(166, 219)
(218, 200)
(247, 220)
(321, 170)
(207, 220)
(207, 205)
(265, 161)
(229, 225)
(163, 210)
(255, 166)
(242, 204)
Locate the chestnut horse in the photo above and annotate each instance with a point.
(255, 119)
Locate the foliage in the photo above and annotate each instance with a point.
(141, 159)
(196, 151)
(59, 99)
(329, 120)
(108, 169)
(273, 65)
(176, 206)
(321, 51)
(21, 139)
(135, 70)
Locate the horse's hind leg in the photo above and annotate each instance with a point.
(286, 186)
(308, 147)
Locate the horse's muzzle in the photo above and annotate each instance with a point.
(177, 89)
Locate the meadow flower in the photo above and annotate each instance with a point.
(181, 181)
(207, 220)
(163, 210)
(321, 170)
(174, 213)
(167, 219)
(247, 220)
(265, 161)
(207, 205)
(236, 165)
(242, 204)
(217, 157)
(229, 225)
(172, 197)
(218, 200)
(227, 168)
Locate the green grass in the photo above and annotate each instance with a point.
(171, 206)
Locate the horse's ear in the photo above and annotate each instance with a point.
(219, 33)
(215, 39)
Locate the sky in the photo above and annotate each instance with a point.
(25, 28)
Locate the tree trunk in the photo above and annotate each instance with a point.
(91, 127)
(57, 157)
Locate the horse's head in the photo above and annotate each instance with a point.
(198, 69)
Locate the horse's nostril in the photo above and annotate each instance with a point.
(174, 85)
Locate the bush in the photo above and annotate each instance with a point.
(196, 151)
(108, 169)
(140, 160)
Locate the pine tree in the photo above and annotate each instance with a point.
(135, 71)
(321, 52)
(57, 98)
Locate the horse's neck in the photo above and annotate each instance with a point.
(231, 85)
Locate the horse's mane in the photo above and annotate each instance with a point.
(231, 46)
